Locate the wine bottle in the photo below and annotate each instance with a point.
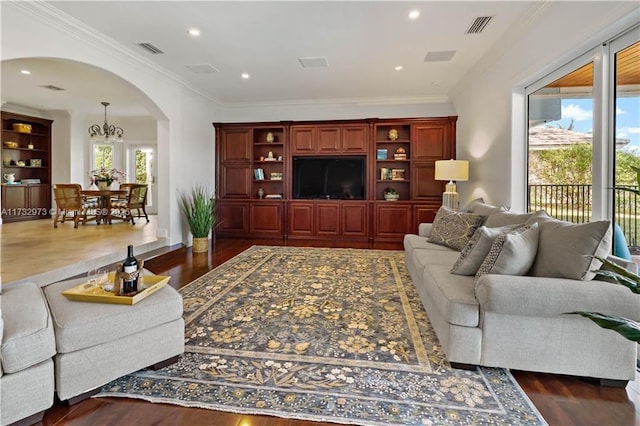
(130, 265)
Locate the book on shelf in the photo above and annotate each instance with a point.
(276, 176)
(273, 196)
(381, 154)
(397, 174)
(258, 174)
(385, 173)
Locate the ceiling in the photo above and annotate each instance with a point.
(362, 43)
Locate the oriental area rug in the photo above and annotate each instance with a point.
(334, 335)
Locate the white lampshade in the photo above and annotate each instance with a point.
(452, 170)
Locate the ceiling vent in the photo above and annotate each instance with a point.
(439, 56)
(318, 62)
(202, 69)
(150, 48)
(52, 87)
(478, 25)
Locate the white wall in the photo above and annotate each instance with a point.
(491, 134)
(184, 142)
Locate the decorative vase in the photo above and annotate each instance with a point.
(103, 185)
(200, 245)
(389, 196)
(270, 138)
(393, 134)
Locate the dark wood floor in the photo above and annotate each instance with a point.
(561, 400)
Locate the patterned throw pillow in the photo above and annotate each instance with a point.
(477, 248)
(453, 228)
(512, 253)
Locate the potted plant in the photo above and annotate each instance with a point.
(199, 209)
(390, 194)
(103, 177)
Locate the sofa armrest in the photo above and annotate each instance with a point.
(424, 229)
(548, 297)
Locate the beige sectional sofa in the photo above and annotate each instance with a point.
(512, 314)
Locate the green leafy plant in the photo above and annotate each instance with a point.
(199, 209)
(389, 190)
(635, 191)
(626, 327)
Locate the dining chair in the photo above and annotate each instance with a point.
(135, 199)
(71, 204)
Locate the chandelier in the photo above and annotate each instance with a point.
(107, 132)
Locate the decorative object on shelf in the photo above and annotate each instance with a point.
(270, 157)
(273, 196)
(9, 178)
(260, 193)
(381, 154)
(199, 210)
(35, 162)
(400, 154)
(22, 127)
(276, 176)
(270, 138)
(451, 170)
(31, 181)
(21, 163)
(30, 146)
(279, 157)
(104, 177)
(397, 174)
(393, 134)
(385, 173)
(10, 144)
(391, 194)
(6, 160)
(107, 132)
(258, 174)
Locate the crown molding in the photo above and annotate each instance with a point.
(400, 100)
(48, 13)
(25, 110)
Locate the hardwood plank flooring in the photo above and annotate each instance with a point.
(562, 400)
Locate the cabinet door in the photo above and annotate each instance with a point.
(424, 213)
(424, 186)
(301, 219)
(431, 141)
(14, 201)
(392, 221)
(328, 219)
(354, 220)
(328, 139)
(266, 218)
(233, 217)
(40, 200)
(354, 139)
(235, 180)
(303, 139)
(236, 145)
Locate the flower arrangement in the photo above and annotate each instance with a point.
(106, 175)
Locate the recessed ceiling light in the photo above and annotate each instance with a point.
(414, 14)
(398, 67)
(25, 72)
(245, 75)
(194, 32)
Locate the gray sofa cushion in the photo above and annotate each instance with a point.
(28, 332)
(565, 249)
(453, 294)
(509, 218)
(453, 228)
(80, 325)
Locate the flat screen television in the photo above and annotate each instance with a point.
(341, 178)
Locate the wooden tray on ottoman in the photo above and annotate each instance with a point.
(86, 292)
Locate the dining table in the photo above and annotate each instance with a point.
(104, 203)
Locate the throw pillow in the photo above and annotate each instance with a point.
(453, 229)
(478, 206)
(512, 253)
(477, 249)
(566, 249)
(509, 218)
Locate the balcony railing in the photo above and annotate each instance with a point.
(573, 203)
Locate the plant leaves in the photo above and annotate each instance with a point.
(627, 328)
(619, 274)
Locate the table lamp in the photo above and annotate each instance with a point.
(451, 170)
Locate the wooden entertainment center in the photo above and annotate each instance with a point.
(255, 175)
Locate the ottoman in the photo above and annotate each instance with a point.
(99, 342)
